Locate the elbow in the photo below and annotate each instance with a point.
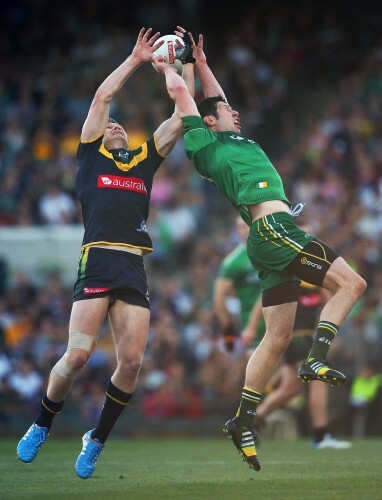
(177, 91)
(101, 96)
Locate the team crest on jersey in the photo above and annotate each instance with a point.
(122, 156)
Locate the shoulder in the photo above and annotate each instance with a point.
(193, 122)
(87, 147)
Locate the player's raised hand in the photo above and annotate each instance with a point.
(145, 45)
(197, 50)
(184, 53)
(162, 65)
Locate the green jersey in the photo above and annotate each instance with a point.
(237, 166)
(238, 268)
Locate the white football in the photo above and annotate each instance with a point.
(167, 50)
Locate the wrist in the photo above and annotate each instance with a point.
(200, 63)
(135, 60)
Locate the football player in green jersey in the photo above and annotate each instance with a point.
(281, 252)
(311, 299)
(237, 277)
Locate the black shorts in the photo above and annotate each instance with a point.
(298, 349)
(120, 275)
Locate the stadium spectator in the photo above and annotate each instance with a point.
(366, 400)
(26, 381)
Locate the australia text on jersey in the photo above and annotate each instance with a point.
(126, 183)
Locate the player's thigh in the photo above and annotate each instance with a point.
(88, 315)
(280, 318)
(130, 325)
(339, 275)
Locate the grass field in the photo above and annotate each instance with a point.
(195, 469)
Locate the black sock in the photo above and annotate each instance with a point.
(48, 411)
(319, 433)
(247, 409)
(323, 339)
(116, 400)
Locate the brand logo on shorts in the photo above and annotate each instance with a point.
(307, 262)
(124, 183)
(89, 291)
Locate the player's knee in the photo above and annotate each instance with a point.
(80, 347)
(281, 339)
(77, 358)
(70, 364)
(293, 389)
(129, 366)
(360, 285)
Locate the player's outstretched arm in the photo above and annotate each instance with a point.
(177, 89)
(96, 121)
(210, 86)
(223, 288)
(169, 131)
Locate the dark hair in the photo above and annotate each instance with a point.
(208, 106)
(111, 120)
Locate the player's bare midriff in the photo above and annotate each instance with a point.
(267, 208)
(122, 248)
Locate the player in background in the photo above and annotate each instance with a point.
(281, 252)
(114, 185)
(237, 277)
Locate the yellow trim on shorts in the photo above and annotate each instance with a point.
(88, 245)
(278, 237)
(324, 259)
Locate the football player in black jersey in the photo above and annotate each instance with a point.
(114, 185)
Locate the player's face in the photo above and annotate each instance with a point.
(228, 118)
(115, 136)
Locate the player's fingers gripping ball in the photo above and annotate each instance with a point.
(169, 51)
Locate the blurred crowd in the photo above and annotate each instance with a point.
(308, 88)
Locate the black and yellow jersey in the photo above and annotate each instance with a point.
(114, 190)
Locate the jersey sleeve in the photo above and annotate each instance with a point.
(154, 155)
(196, 135)
(87, 150)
